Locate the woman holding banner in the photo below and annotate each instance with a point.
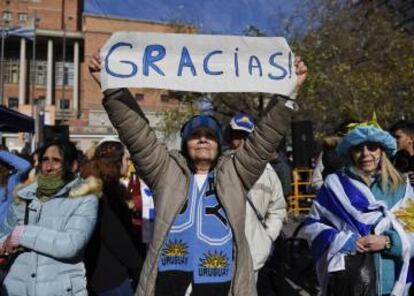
(199, 243)
(359, 246)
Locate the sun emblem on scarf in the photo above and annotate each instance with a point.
(244, 119)
(175, 248)
(214, 260)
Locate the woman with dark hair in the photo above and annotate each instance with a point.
(112, 257)
(48, 228)
(12, 172)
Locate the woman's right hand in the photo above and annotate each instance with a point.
(371, 243)
(7, 247)
(95, 68)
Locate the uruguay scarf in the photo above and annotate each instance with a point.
(345, 207)
(200, 240)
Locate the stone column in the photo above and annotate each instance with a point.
(49, 82)
(76, 77)
(22, 72)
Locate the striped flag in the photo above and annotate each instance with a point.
(25, 32)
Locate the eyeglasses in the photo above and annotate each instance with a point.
(372, 147)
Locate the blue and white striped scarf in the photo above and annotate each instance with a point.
(345, 207)
(200, 240)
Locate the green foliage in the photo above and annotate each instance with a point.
(173, 119)
(358, 62)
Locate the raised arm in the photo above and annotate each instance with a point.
(251, 159)
(19, 164)
(151, 157)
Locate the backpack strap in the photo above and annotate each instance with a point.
(256, 212)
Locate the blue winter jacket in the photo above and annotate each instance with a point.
(55, 237)
(19, 168)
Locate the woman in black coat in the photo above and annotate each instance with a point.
(113, 259)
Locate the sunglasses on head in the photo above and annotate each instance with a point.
(372, 147)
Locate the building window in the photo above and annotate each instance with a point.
(40, 73)
(11, 71)
(139, 97)
(64, 75)
(7, 16)
(165, 98)
(23, 17)
(13, 103)
(64, 104)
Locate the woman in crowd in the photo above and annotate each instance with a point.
(13, 170)
(49, 226)
(360, 248)
(199, 243)
(113, 260)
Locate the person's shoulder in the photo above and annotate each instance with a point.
(269, 170)
(90, 187)
(178, 156)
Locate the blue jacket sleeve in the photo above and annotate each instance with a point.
(19, 164)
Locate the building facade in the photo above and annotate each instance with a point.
(51, 70)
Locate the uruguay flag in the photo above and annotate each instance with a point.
(24, 32)
(345, 207)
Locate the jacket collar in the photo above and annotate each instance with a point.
(29, 192)
(352, 173)
(182, 161)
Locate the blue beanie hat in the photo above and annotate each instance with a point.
(367, 133)
(242, 122)
(206, 121)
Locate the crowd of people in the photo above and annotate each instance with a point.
(70, 226)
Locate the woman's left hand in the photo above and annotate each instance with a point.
(7, 247)
(373, 243)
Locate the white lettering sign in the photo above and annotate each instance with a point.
(202, 63)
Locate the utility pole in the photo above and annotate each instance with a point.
(34, 70)
(35, 139)
(3, 37)
(3, 32)
(63, 55)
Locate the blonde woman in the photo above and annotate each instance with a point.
(358, 245)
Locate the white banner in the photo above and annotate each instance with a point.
(202, 63)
